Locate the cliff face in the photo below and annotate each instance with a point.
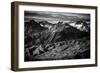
(46, 41)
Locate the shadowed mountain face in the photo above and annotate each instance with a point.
(41, 38)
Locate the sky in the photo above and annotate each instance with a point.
(54, 17)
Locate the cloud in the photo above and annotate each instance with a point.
(55, 16)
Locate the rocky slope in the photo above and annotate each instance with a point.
(46, 41)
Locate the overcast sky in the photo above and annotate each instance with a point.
(54, 16)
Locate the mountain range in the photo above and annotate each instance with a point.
(42, 36)
(45, 32)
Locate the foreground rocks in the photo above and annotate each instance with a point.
(71, 49)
